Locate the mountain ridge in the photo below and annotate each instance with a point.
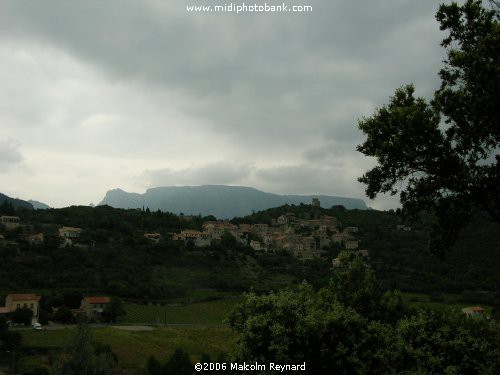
(15, 202)
(221, 201)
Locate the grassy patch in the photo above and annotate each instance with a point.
(449, 301)
(133, 348)
(211, 312)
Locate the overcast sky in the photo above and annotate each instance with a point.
(100, 94)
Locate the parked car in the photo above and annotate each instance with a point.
(37, 326)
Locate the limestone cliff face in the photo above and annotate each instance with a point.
(218, 200)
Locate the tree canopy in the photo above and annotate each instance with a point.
(442, 155)
(367, 332)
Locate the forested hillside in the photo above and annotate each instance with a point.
(402, 258)
(114, 256)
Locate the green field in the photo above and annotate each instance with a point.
(449, 301)
(133, 348)
(212, 312)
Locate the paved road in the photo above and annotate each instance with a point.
(127, 327)
(134, 328)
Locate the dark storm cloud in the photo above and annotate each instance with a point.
(280, 89)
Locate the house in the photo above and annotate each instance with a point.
(68, 235)
(405, 228)
(213, 229)
(267, 239)
(35, 239)
(351, 229)
(473, 311)
(203, 241)
(338, 238)
(260, 229)
(337, 263)
(256, 245)
(309, 243)
(282, 220)
(93, 307)
(70, 232)
(363, 253)
(245, 228)
(351, 244)
(153, 237)
(324, 240)
(6, 243)
(18, 301)
(10, 222)
(190, 234)
(4, 311)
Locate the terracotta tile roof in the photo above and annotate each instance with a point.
(23, 297)
(94, 300)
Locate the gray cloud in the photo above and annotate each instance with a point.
(9, 155)
(217, 173)
(135, 84)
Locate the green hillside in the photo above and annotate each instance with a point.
(118, 260)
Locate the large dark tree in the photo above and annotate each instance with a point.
(336, 331)
(22, 315)
(442, 156)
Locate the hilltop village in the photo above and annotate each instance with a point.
(305, 237)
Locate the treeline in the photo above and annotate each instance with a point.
(117, 259)
(120, 261)
(353, 327)
(402, 258)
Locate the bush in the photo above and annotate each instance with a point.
(22, 315)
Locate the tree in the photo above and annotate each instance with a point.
(334, 333)
(81, 356)
(113, 310)
(442, 156)
(63, 314)
(178, 364)
(22, 315)
(154, 366)
(8, 339)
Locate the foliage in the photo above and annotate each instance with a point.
(22, 315)
(113, 310)
(179, 364)
(63, 315)
(210, 312)
(8, 339)
(334, 333)
(6, 208)
(79, 357)
(153, 366)
(133, 348)
(451, 169)
(144, 272)
(44, 317)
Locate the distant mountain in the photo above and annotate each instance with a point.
(38, 205)
(218, 200)
(16, 203)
